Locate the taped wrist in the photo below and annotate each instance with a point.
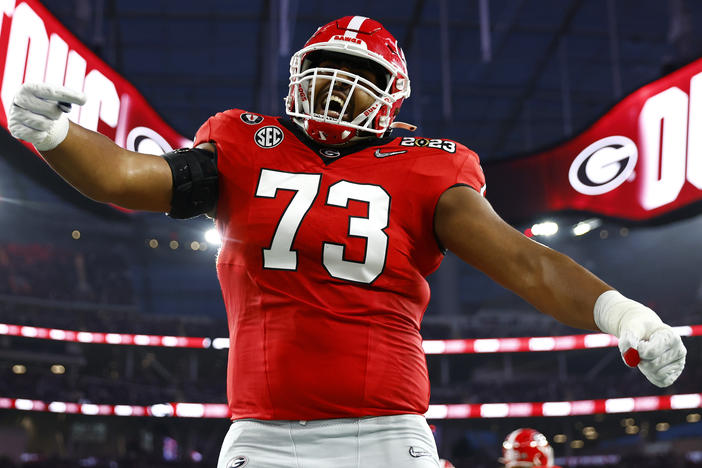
(612, 309)
(195, 182)
(55, 135)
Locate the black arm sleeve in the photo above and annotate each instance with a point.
(195, 182)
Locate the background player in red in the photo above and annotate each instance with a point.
(526, 448)
(330, 226)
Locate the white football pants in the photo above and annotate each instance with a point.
(401, 441)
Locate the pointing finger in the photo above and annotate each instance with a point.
(55, 93)
(37, 105)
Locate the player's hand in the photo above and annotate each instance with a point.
(644, 340)
(39, 114)
(660, 350)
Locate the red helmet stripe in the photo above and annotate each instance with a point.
(354, 26)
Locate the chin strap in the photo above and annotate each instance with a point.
(403, 126)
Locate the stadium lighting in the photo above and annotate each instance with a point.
(662, 426)
(583, 227)
(631, 430)
(590, 433)
(547, 228)
(212, 236)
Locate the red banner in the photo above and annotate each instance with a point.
(640, 161)
(35, 47)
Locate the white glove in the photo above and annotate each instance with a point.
(660, 349)
(38, 114)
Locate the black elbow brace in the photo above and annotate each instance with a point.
(195, 182)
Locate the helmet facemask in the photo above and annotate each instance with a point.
(336, 105)
(348, 82)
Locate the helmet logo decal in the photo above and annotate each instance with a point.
(347, 39)
(268, 137)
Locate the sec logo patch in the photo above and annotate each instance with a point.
(268, 137)
(251, 119)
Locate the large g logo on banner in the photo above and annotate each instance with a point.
(604, 165)
(145, 140)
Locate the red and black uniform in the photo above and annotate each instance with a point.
(323, 264)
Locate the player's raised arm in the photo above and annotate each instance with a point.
(89, 161)
(467, 225)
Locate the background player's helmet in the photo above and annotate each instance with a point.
(526, 448)
(356, 38)
(445, 464)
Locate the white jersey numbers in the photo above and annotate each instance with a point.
(280, 254)
(371, 228)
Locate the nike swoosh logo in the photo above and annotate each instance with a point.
(380, 154)
(417, 452)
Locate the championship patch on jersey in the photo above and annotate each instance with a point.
(268, 137)
(437, 143)
(251, 119)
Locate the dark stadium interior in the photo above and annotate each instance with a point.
(552, 67)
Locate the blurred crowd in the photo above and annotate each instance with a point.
(49, 272)
(628, 461)
(146, 462)
(138, 375)
(669, 460)
(89, 289)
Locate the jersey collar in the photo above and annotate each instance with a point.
(334, 153)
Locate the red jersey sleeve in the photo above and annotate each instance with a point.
(212, 130)
(468, 170)
(204, 133)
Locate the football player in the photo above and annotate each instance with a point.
(330, 226)
(526, 448)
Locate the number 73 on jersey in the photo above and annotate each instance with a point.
(281, 256)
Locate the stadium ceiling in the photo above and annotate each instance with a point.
(504, 77)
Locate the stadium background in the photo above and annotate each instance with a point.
(506, 78)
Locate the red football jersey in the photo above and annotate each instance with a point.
(323, 263)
